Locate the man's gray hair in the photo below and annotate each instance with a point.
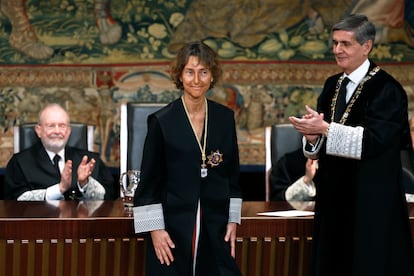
(363, 29)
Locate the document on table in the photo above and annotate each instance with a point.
(288, 213)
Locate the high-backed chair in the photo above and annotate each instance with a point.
(408, 171)
(81, 136)
(279, 140)
(408, 181)
(133, 132)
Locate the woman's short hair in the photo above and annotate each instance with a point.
(205, 55)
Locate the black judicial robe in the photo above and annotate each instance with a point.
(170, 174)
(31, 169)
(361, 219)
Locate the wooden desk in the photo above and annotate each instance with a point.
(70, 238)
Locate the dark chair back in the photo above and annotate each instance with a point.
(81, 136)
(284, 138)
(280, 139)
(133, 132)
(408, 171)
(408, 181)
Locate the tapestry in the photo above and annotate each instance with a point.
(93, 55)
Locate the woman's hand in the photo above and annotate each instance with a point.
(231, 236)
(162, 245)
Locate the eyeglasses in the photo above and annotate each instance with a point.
(54, 126)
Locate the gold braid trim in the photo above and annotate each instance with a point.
(354, 96)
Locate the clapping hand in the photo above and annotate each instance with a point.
(85, 170)
(66, 177)
(311, 125)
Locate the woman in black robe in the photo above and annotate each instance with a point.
(189, 197)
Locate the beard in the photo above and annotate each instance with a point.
(54, 144)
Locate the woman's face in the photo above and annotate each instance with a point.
(196, 78)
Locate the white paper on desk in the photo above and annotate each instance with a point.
(288, 213)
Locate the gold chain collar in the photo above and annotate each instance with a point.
(354, 96)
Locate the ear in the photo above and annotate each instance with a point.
(367, 47)
(38, 130)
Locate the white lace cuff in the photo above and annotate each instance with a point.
(148, 218)
(33, 195)
(300, 191)
(235, 210)
(93, 190)
(344, 141)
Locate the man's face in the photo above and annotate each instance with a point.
(54, 128)
(349, 54)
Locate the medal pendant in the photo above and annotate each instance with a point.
(203, 172)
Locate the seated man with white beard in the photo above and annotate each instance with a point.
(50, 170)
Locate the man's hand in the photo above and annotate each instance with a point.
(231, 237)
(311, 125)
(66, 177)
(85, 170)
(162, 245)
(311, 166)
